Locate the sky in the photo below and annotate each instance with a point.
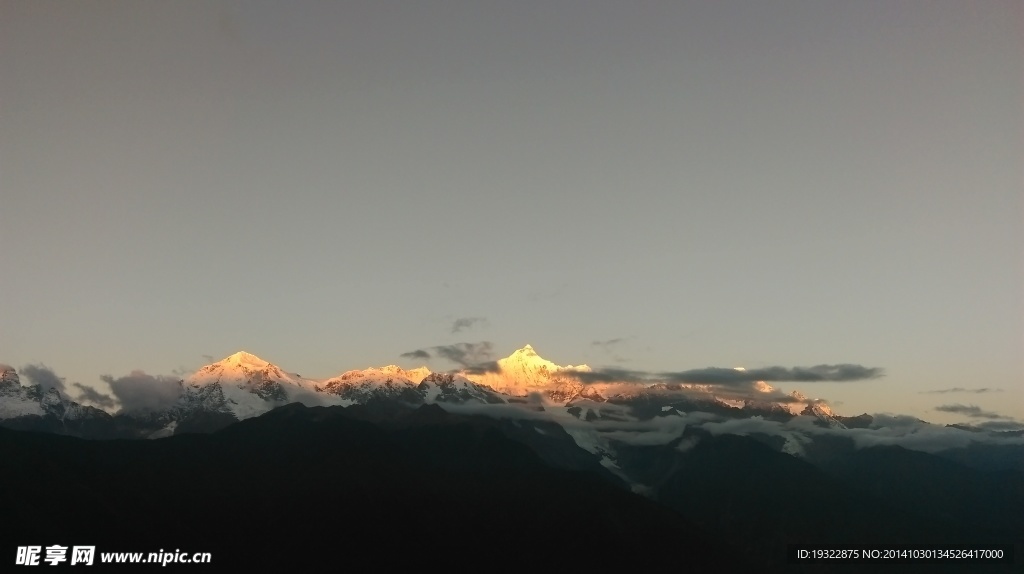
(652, 186)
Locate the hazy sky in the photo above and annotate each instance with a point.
(332, 184)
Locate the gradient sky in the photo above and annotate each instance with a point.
(331, 184)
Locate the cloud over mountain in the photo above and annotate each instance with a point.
(91, 395)
(138, 391)
(43, 376)
(884, 430)
(467, 355)
(972, 411)
(1000, 425)
(736, 377)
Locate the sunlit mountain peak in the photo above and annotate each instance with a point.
(526, 350)
(525, 371)
(245, 359)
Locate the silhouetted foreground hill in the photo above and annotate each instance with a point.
(303, 487)
(389, 485)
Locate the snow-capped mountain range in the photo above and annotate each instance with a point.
(243, 385)
(673, 443)
(246, 385)
(607, 420)
(676, 444)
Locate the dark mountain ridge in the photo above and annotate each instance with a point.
(309, 486)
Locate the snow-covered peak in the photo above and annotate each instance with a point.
(444, 378)
(527, 350)
(414, 375)
(825, 416)
(524, 371)
(384, 382)
(8, 376)
(527, 361)
(240, 367)
(820, 409)
(16, 400)
(455, 388)
(801, 404)
(244, 359)
(379, 375)
(244, 385)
